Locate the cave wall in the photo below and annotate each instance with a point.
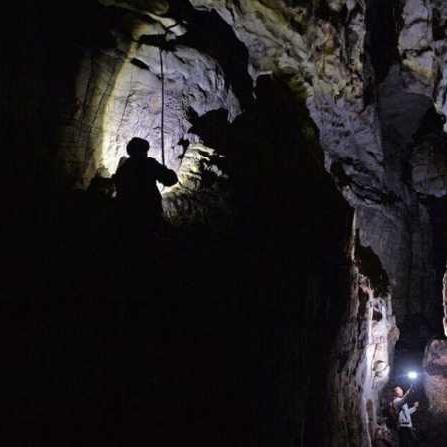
(370, 73)
(156, 76)
(257, 370)
(369, 112)
(434, 384)
(328, 54)
(372, 76)
(214, 336)
(363, 355)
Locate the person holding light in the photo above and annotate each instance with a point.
(404, 422)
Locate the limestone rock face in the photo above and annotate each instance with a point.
(429, 168)
(416, 46)
(372, 75)
(202, 191)
(368, 108)
(152, 78)
(193, 83)
(83, 127)
(362, 359)
(369, 72)
(435, 375)
(435, 384)
(266, 28)
(440, 47)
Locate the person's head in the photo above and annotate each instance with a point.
(138, 147)
(398, 391)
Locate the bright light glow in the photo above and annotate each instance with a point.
(412, 375)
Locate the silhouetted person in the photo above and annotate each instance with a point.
(139, 200)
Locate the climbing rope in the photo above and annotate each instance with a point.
(162, 76)
(162, 107)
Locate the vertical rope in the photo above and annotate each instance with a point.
(162, 108)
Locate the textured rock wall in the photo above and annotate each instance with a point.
(440, 49)
(435, 378)
(202, 193)
(83, 132)
(157, 75)
(369, 72)
(193, 82)
(435, 364)
(368, 108)
(372, 162)
(363, 355)
(215, 336)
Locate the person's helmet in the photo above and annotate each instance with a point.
(137, 147)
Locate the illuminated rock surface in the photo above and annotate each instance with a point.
(363, 355)
(202, 191)
(367, 88)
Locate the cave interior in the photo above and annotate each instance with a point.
(300, 271)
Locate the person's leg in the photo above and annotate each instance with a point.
(401, 437)
(414, 438)
(411, 438)
(405, 437)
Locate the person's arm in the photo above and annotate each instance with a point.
(398, 403)
(164, 175)
(406, 396)
(414, 408)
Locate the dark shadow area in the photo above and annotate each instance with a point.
(437, 207)
(212, 128)
(292, 229)
(43, 52)
(383, 29)
(418, 329)
(189, 337)
(210, 34)
(370, 266)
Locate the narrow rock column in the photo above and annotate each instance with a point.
(435, 385)
(362, 357)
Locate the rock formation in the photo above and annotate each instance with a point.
(367, 88)
(363, 354)
(252, 102)
(435, 385)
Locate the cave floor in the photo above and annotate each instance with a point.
(139, 338)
